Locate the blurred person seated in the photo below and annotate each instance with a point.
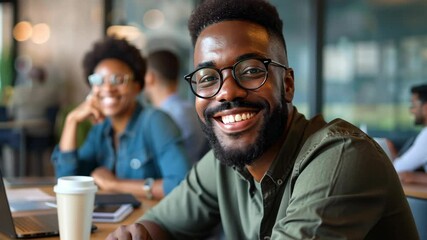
(415, 157)
(161, 90)
(130, 148)
(30, 101)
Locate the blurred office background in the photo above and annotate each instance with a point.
(353, 59)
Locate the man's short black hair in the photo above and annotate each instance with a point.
(256, 11)
(421, 90)
(166, 63)
(120, 49)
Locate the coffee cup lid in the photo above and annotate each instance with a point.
(75, 185)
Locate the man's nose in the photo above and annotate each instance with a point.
(230, 89)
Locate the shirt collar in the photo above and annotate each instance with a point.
(299, 130)
(172, 98)
(130, 128)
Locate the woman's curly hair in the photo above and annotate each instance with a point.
(119, 49)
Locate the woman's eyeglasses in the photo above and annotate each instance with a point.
(114, 80)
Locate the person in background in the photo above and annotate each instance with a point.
(30, 101)
(415, 157)
(131, 148)
(272, 173)
(161, 89)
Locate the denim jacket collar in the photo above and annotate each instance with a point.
(130, 128)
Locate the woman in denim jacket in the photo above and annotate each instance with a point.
(130, 148)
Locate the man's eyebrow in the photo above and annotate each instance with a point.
(239, 58)
(249, 55)
(205, 64)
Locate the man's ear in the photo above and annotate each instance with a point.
(288, 84)
(424, 110)
(149, 78)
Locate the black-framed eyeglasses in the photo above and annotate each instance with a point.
(115, 79)
(250, 74)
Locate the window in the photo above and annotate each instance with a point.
(374, 52)
(6, 46)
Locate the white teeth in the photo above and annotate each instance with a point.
(237, 117)
(225, 120)
(108, 100)
(231, 119)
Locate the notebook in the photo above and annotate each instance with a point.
(116, 199)
(35, 225)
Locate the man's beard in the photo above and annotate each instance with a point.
(271, 130)
(419, 120)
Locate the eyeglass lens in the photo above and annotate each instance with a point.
(250, 74)
(116, 79)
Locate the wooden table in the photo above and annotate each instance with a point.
(105, 228)
(24, 124)
(415, 190)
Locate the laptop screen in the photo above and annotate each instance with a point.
(6, 220)
(383, 144)
(29, 226)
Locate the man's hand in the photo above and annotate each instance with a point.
(413, 177)
(104, 178)
(135, 231)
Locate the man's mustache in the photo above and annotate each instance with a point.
(210, 112)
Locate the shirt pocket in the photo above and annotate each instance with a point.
(139, 165)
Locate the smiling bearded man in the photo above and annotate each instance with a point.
(285, 176)
(240, 157)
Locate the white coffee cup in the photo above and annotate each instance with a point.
(75, 196)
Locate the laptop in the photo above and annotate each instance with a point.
(383, 144)
(43, 224)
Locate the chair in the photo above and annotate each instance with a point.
(419, 211)
(3, 114)
(5, 134)
(40, 144)
(34, 144)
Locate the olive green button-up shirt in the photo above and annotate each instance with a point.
(329, 181)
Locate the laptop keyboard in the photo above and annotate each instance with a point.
(36, 223)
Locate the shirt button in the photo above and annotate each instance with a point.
(279, 182)
(266, 238)
(135, 163)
